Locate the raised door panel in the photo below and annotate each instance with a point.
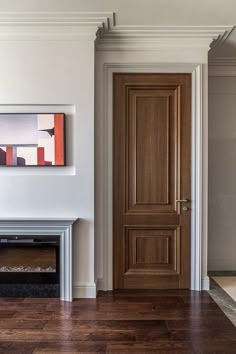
(151, 145)
(152, 250)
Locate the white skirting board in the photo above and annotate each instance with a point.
(205, 283)
(84, 291)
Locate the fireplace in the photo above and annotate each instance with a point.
(36, 258)
(30, 265)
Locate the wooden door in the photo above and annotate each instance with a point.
(151, 171)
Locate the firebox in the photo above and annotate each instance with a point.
(30, 266)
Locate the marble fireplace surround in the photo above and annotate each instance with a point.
(53, 227)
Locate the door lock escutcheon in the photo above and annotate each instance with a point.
(184, 208)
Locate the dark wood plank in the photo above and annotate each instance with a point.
(11, 299)
(154, 347)
(216, 346)
(106, 325)
(42, 300)
(21, 306)
(49, 347)
(203, 323)
(22, 324)
(33, 315)
(139, 300)
(4, 314)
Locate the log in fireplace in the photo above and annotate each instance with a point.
(30, 266)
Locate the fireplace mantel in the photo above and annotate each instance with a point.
(48, 226)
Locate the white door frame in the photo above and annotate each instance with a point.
(199, 204)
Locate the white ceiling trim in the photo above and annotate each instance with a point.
(222, 66)
(222, 61)
(154, 37)
(74, 25)
(53, 25)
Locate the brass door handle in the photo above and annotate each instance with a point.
(182, 200)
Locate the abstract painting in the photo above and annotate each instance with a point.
(28, 139)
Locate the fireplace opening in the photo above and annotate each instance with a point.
(30, 266)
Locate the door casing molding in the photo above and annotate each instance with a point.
(199, 204)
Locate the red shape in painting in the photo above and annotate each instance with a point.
(9, 156)
(59, 139)
(41, 156)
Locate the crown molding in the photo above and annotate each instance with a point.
(222, 66)
(53, 25)
(101, 25)
(222, 61)
(154, 37)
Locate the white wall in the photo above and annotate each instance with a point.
(49, 76)
(222, 173)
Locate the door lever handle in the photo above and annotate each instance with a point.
(181, 200)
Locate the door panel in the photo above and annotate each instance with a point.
(151, 232)
(155, 250)
(151, 150)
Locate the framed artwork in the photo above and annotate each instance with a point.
(31, 139)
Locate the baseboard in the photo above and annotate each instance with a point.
(221, 264)
(205, 283)
(84, 291)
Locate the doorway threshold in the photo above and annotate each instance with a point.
(220, 296)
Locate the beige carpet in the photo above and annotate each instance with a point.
(228, 284)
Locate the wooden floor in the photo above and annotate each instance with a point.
(117, 323)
